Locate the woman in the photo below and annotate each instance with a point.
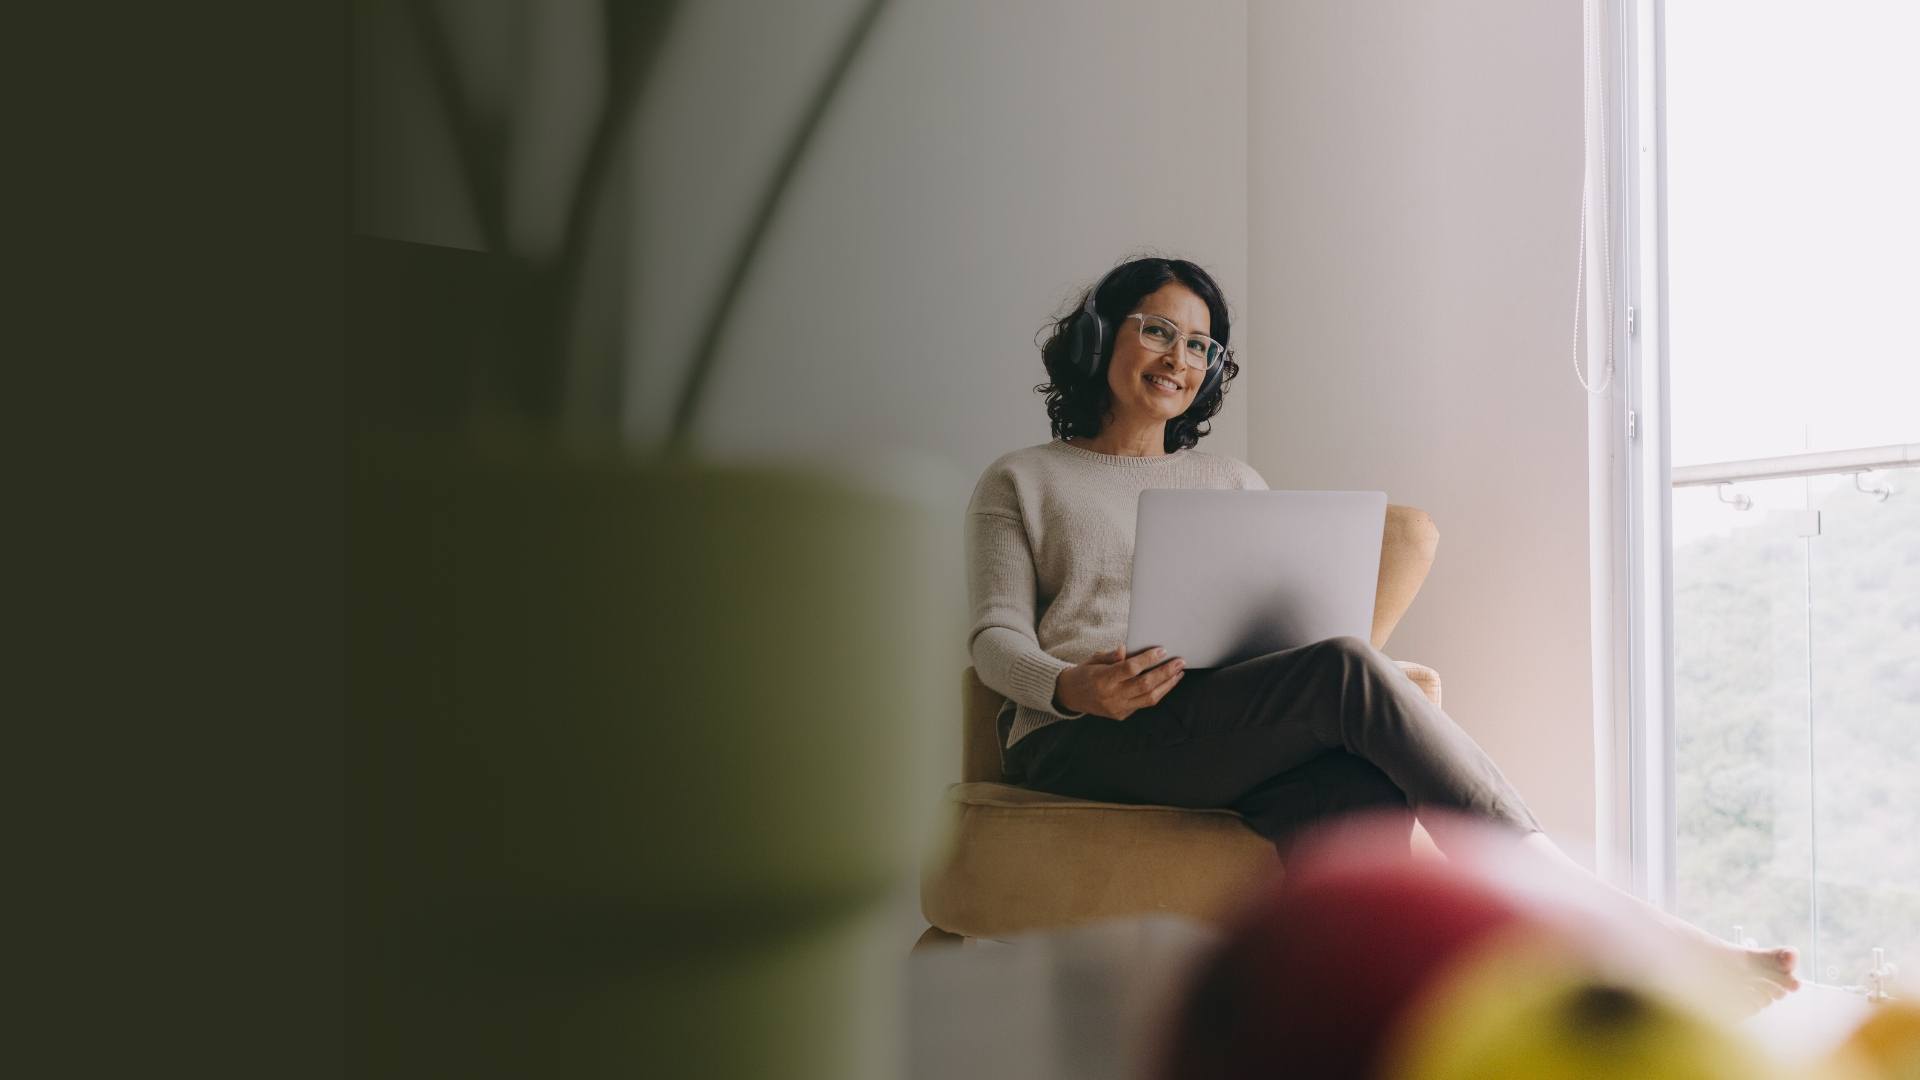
(1287, 738)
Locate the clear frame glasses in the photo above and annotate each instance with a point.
(1157, 335)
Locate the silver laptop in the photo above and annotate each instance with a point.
(1224, 576)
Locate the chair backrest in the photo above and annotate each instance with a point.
(1406, 554)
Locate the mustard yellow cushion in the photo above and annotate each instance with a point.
(1027, 860)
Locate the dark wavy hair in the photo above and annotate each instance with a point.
(1077, 404)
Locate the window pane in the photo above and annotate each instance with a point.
(1792, 160)
(1741, 787)
(1866, 724)
(1797, 706)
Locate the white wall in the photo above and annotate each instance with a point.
(1412, 209)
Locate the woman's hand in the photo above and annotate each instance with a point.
(1115, 684)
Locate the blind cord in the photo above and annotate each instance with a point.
(1593, 86)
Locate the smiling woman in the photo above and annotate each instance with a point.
(1161, 326)
(1287, 739)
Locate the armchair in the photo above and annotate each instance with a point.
(1019, 860)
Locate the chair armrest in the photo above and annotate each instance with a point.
(980, 731)
(1427, 679)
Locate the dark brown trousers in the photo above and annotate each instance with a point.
(1286, 739)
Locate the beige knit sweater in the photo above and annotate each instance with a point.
(1050, 561)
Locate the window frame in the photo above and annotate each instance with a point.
(1630, 483)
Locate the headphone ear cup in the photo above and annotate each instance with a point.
(1102, 344)
(1085, 336)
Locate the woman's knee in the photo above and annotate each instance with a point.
(1345, 644)
(1348, 649)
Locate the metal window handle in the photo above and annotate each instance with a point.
(1880, 977)
(1879, 491)
(1740, 501)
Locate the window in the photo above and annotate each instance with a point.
(1768, 227)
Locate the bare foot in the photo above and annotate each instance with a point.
(1758, 976)
(1773, 968)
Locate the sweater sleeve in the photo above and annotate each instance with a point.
(1001, 591)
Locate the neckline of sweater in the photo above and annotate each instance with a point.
(1120, 459)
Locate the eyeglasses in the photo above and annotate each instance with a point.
(1157, 335)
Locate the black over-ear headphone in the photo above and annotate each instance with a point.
(1088, 341)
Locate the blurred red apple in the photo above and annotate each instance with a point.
(1315, 973)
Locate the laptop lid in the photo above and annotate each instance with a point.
(1224, 576)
